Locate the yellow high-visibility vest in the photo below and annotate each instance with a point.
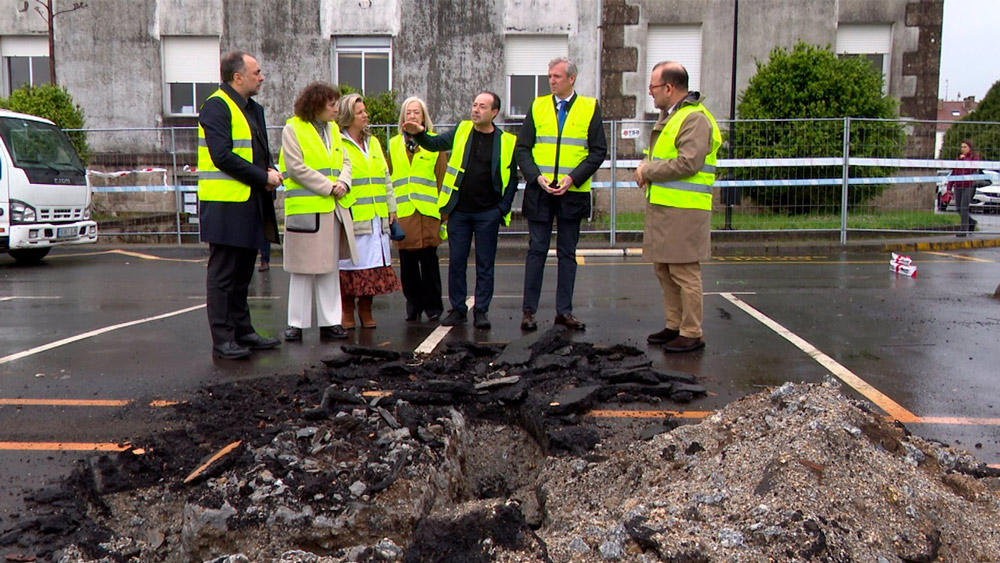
(573, 147)
(214, 184)
(414, 184)
(695, 191)
(315, 154)
(367, 180)
(452, 176)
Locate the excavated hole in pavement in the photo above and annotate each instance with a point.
(313, 458)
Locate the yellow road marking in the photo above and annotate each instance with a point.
(65, 402)
(959, 256)
(153, 257)
(580, 260)
(892, 408)
(212, 460)
(63, 446)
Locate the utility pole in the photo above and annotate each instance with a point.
(48, 13)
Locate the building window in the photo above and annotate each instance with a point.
(363, 63)
(526, 60)
(25, 62)
(871, 41)
(677, 43)
(190, 73)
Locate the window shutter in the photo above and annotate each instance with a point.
(530, 54)
(24, 46)
(864, 38)
(191, 59)
(678, 43)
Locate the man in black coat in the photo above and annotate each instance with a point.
(560, 146)
(236, 180)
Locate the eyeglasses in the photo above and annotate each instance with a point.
(651, 86)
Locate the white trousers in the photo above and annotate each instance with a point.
(326, 288)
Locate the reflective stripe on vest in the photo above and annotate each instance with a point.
(328, 162)
(214, 184)
(367, 179)
(695, 191)
(572, 148)
(414, 183)
(454, 174)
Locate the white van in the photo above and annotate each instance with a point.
(44, 192)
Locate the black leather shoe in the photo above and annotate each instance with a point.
(480, 319)
(662, 337)
(335, 332)
(570, 322)
(230, 351)
(255, 341)
(433, 317)
(684, 344)
(293, 334)
(454, 318)
(528, 321)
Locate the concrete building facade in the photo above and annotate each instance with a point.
(148, 63)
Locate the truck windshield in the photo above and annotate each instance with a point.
(33, 144)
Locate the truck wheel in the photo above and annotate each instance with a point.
(29, 255)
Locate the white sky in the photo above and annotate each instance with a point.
(970, 62)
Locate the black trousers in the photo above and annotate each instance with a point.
(420, 274)
(227, 285)
(567, 237)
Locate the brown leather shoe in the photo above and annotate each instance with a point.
(264, 266)
(662, 337)
(528, 321)
(570, 322)
(684, 344)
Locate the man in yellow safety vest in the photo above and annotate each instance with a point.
(477, 194)
(560, 146)
(678, 178)
(236, 178)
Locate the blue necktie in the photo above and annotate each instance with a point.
(561, 114)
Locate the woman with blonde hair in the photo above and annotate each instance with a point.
(318, 227)
(373, 210)
(416, 176)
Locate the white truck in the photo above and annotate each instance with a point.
(44, 191)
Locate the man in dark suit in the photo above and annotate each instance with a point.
(560, 146)
(236, 178)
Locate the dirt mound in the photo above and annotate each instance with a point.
(481, 453)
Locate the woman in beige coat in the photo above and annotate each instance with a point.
(315, 241)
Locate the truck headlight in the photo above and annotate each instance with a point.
(86, 213)
(21, 212)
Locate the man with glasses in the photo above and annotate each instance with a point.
(678, 178)
(560, 146)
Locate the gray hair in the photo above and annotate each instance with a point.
(570, 65)
(428, 124)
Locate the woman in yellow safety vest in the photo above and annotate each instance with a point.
(416, 181)
(318, 226)
(373, 210)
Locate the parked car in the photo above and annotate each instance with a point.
(987, 199)
(989, 194)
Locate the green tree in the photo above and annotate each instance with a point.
(984, 136)
(382, 110)
(53, 103)
(811, 90)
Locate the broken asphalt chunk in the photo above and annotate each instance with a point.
(575, 399)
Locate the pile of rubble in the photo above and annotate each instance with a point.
(484, 453)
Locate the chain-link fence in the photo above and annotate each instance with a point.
(817, 177)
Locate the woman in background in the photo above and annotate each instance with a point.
(965, 189)
(417, 175)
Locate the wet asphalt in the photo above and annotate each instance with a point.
(928, 344)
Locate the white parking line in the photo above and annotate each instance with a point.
(892, 408)
(92, 333)
(435, 338)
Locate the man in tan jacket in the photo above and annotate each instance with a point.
(678, 178)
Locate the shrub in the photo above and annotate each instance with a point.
(54, 103)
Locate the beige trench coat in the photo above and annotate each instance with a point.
(312, 253)
(673, 235)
